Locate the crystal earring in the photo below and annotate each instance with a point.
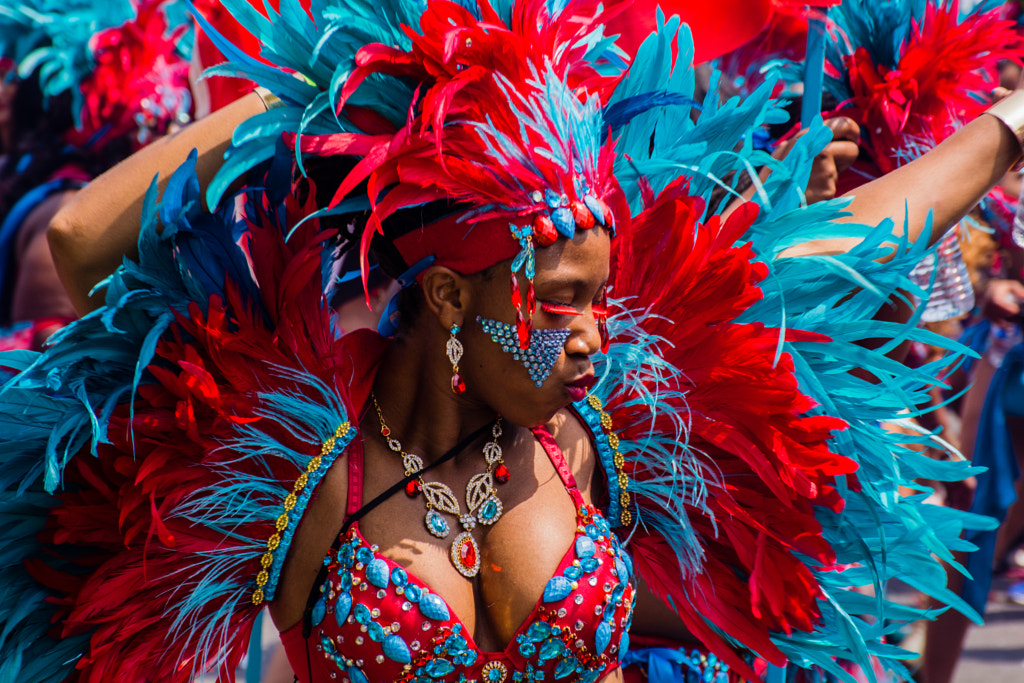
(454, 351)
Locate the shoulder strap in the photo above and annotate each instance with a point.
(314, 593)
(556, 456)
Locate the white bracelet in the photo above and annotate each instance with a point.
(270, 100)
(1010, 111)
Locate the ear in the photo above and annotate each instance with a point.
(447, 295)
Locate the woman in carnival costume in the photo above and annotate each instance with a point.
(594, 392)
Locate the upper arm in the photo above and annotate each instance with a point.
(38, 292)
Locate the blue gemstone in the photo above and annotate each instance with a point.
(592, 203)
(564, 222)
(319, 610)
(526, 648)
(590, 564)
(346, 558)
(591, 530)
(377, 573)
(572, 572)
(538, 631)
(364, 554)
(433, 607)
(489, 510)
(399, 577)
(565, 667)
(357, 676)
(557, 589)
(623, 644)
(585, 547)
(602, 637)
(439, 668)
(552, 199)
(621, 570)
(345, 580)
(551, 649)
(362, 614)
(375, 631)
(342, 606)
(413, 592)
(396, 650)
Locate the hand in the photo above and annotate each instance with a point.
(1002, 300)
(837, 156)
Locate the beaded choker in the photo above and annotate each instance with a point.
(482, 503)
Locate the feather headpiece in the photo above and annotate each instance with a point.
(910, 72)
(119, 60)
(495, 110)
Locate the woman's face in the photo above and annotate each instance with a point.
(570, 279)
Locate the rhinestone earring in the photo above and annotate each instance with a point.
(454, 351)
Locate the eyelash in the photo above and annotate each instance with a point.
(552, 308)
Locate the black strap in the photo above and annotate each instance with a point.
(314, 593)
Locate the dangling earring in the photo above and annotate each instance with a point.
(454, 351)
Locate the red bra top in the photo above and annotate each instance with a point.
(376, 622)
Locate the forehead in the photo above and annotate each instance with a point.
(583, 260)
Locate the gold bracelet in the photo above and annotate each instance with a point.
(270, 100)
(1010, 110)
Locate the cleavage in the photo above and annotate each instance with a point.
(519, 554)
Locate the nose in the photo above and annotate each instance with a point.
(584, 336)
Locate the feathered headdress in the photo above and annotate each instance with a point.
(119, 59)
(910, 72)
(517, 176)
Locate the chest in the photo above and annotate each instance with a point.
(517, 555)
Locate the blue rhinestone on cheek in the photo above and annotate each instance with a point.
(541, 355)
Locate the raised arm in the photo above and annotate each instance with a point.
(90, 235)
(947, 181)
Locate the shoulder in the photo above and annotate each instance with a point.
(576, 440)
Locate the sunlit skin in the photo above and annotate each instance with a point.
(522, 551)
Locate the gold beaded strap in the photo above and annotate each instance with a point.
(301, 491)
(618, 460)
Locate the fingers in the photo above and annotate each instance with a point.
(844, 128)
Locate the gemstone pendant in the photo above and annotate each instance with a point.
(490, 510)
(466, 555)
(437, 525)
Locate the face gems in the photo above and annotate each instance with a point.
(539, 357)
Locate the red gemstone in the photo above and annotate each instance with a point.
(413, 488)
(467, 553)
(544, 232)
(384, 431)
(458, 386)
(582, 215)
(502, 474)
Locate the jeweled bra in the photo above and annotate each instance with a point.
(376, 622)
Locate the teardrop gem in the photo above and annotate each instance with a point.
(502, 474)
(458, 386)
(413, 488)
(465, 555)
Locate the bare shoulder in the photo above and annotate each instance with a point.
(575, 440)
(38, 219)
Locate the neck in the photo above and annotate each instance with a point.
(413, 387)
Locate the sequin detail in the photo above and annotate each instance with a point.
(577, 632)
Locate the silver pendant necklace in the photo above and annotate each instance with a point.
(483, 506)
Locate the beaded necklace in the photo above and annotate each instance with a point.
(482, 502)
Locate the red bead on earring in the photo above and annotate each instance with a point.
(454, 351)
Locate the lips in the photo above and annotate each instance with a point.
(578, 388)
